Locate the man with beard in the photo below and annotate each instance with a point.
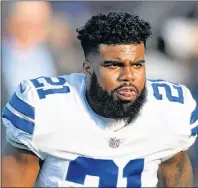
(108, 127)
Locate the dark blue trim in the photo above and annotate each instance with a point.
(18, 122)
(194, 115)
(194, 131)
(21, 88)
(22, 106)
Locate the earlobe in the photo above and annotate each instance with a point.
(87, 68)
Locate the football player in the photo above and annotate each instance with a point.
(107, 127)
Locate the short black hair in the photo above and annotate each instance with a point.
(113, 28)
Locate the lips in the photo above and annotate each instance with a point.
(127, 93)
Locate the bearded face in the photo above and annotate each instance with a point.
(116, 80)
(105, 104)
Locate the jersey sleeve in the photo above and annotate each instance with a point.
(188, 126)
(19, 118)
(192, 115)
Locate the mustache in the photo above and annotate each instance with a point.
(126, 85)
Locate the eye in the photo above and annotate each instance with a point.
(137, 65)
(113, 66)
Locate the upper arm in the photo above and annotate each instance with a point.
(176, 172)
(19, 119)
(20, 168)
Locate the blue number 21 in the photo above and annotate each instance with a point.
(39, 85)
(179, 98)
(106, 170)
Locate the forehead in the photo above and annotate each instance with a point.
(122, 51)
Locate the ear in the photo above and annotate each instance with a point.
(87, 68)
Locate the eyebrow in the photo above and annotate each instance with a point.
(120, 62)
(139, 61)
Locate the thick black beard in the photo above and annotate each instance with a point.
(106, 106)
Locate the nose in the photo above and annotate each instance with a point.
(126, 74)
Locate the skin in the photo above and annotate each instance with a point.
(176, 172)
(21, 168)
(111, 76)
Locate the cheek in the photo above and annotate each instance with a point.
(141, 75)
(107, 79)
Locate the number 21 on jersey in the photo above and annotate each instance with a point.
(168, 91)
(58, 84)
(106, 170)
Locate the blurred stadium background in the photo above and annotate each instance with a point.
(39, 39)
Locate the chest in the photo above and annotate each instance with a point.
(84, 171)
(90, 158)
(81, 153)
(77, 130)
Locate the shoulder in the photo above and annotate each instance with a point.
(44, 92)
(170, 93)
(177, 107)
(173, 96)
(22, 103)
(33, 109)
(33, 90)
(45, 86)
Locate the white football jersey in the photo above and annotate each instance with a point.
(50, 116)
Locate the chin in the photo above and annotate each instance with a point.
(125, 100)
(128, 103)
